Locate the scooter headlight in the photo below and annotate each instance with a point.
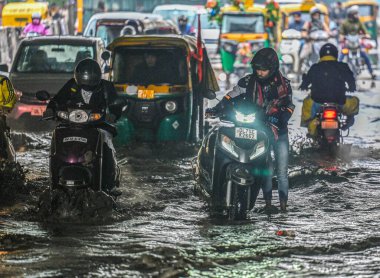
(78, 116)
(171, 106)
(259, 150)
(229, 145)
(63, 115)
(248, 119)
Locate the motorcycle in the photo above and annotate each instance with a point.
(330, 122)
(290, 47)
(76, 153)
(233, 161)
(310, 52)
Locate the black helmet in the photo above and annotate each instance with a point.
(87, 73)
(328, 50)
(266, 59)
(182, 18)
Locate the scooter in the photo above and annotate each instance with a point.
(290, 51)
(310, 56)
(76, 153)
(233, 161)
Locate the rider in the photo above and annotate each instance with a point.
(184, 27)
(87, 90)
(327, 80)
(353, 26)
(269, 89)
(36, 26)
(297, 23)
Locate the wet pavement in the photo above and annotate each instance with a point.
(160, 229)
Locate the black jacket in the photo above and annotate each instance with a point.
(70, 96)
(329, 81)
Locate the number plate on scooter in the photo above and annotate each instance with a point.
(245, 133)
(329, 125)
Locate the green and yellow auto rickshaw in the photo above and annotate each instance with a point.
(165, 82)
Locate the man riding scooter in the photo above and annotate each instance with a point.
(270, 90)
(327, 81)
(353, 26)
(88, 91)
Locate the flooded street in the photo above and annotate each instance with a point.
(160, 229)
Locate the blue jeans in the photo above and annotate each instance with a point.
(281, 155)
(364, 57)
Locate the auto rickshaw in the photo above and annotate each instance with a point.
(164, 83)
(19, 14)
(242, 34)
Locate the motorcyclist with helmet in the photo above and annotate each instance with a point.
(353, 26)
(270, 90)
(184, 27)
(36, 26)
(87, 90)
(327, 81)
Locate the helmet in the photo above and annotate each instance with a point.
(36, 15)
(88, 74)
(328, 50)
(314, 10)
(266, 59)
(353, 10)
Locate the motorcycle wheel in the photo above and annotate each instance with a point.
(239, 206)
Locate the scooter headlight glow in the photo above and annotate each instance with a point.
(229, 145)
(78, 116)
(259, 150)
(248, 119)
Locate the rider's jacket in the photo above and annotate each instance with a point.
(314, 25)
(327, 81)
(96, 101)
(273, 95)
(350, 27)
(33, 28)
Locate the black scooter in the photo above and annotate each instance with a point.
(233, 161)
(76, 154)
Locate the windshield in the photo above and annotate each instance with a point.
(365, 10)
(52, 58)
(243, 23)
(110, 32)
(192, 18)
(143, 66)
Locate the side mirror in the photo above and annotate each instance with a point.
(106, 55)
(42, 95)
(119, 102)
(4, 68)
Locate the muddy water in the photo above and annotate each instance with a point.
(162, 230)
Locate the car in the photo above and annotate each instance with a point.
(210, 29)
(47, 63)
(111, 25)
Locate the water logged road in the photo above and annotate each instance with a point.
(162, 230)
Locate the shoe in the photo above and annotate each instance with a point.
(349, 122)
(283, 205)
(373, 76)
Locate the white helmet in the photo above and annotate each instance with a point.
(353, 10)
(36, 15)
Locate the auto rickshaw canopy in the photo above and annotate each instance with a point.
(19, 14)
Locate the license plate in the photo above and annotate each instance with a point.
(145, 94)
(245, 133)
(37, 111)
(329, 125)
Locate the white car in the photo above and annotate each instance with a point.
(210, 29)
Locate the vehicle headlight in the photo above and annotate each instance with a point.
(63, 115)
(259, 150)
(171, 106)
(248, 119)
(78, 116)
(228, 145)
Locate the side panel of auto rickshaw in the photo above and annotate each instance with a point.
(242, 34)
(368, 10)
(158, 76)
(19, 14)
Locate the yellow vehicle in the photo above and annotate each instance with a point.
(19, 14)
(161, 79)
(368, 10)
(242, 34)
(304, 7)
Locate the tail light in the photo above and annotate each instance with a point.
(330, 114)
